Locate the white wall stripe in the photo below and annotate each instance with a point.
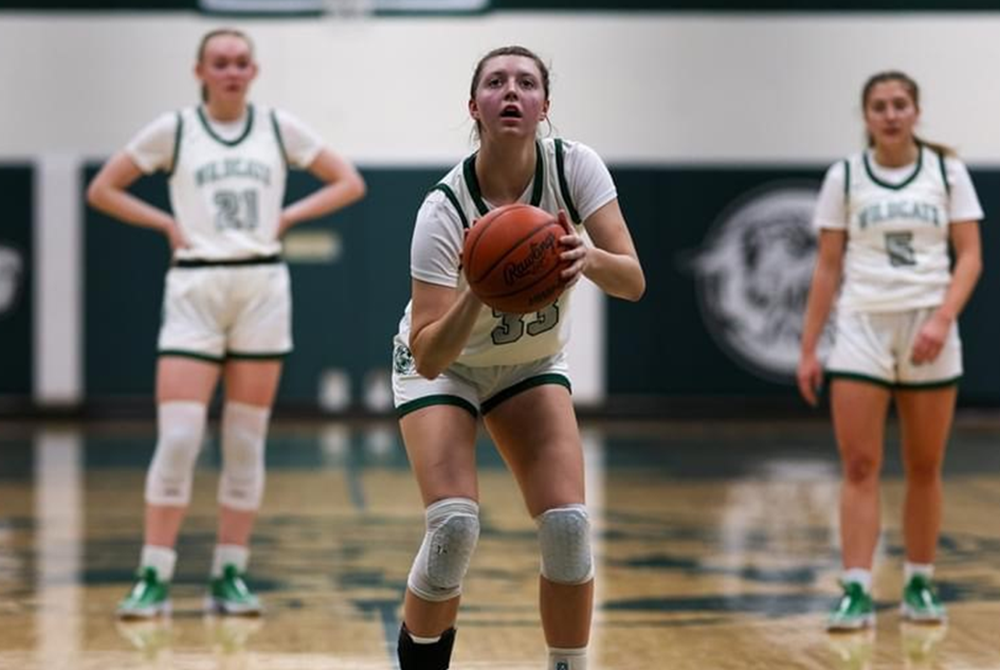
(58, 250)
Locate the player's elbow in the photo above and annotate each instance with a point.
(95, 194)
(356, 187)
(637, 290)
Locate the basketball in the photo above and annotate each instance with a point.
(511, 259)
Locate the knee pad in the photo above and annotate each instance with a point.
(244, 433)
(564, 537)
(181, 427)
(443, 559)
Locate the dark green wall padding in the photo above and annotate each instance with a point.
(16, 347)
(345, 313)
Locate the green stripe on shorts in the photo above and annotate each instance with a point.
(928, 386)
(190, 354)
(855, 377)
(263, 356)
(431, 400)
(522, 386)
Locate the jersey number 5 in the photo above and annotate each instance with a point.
(899, 246)
(512, 326)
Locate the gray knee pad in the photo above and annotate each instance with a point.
(181, 427)
(564, 537)
(244, 433)
(443, 559)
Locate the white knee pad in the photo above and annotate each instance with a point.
(443, 559)
(181, 427)
(564, 537)
(244, 433)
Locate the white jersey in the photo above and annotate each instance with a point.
(897, 223)
(569, 176)
(227, 181)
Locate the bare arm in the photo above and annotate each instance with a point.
(612, 263)
(108, 193)
(825, 282)
(343, 186)
(442, 319)
(968, 266)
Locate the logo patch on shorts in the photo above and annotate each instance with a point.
(402, 361)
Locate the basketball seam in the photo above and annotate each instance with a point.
(513, 246)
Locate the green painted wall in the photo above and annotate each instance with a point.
(345, 312)
(16, 274)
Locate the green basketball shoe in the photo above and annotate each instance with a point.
(921, 603)
(149, 597)
(229, 594)
(855, 610)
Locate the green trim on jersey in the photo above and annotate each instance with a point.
(264, 356)
(902, 184)
(944, 172)
(228, 143)
(277, 134)
(453, 199)
(854, 376)
(177, 145)
(522, 386)
(472, 182)
(469, 172)
(432, 400)
(191, 354)
(536, 189)
(847, 180)
(928, 386)
(564, 185)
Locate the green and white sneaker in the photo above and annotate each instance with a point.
(921, 603)
(855, 611)
(150, 597)
(229, 594)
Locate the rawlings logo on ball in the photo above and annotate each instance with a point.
(531, 263)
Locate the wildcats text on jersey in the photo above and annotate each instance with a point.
(895, 210)
(232, 167)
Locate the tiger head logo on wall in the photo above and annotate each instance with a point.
(752, 277)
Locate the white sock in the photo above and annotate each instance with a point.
(911, 570)
(567, 659)
(229, 554)
(162, 559)
(423, 640)
(858, 576)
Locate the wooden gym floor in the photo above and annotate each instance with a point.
(715, 547)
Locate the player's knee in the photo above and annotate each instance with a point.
(181, 426)
(861, 469)
(244, 435)
(443, 559)
(564, 538)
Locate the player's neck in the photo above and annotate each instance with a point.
(224, 111)
(504, 170)
(896, 155)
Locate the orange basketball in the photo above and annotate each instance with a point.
(511, 259)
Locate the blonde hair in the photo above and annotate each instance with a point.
(203, 44)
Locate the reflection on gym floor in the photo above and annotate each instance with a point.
(715, 546)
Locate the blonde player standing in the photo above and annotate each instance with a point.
(454, 359)
(227, 304)
(886, 217)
